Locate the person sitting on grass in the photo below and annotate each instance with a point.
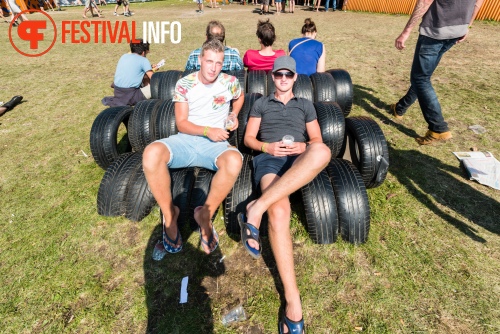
(232, 59)
(202, 101)
(263, 59)
(281, 169)
(309, 54)
(132, 77)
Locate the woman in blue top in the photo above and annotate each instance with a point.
(308, 53)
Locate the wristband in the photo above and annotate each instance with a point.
(205, 131)
(263, 147)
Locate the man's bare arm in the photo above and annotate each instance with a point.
(421, 7)
(477, 7)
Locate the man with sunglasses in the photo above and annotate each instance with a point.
(281, 169)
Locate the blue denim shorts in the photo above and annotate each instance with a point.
(195, 151)
(268, 164)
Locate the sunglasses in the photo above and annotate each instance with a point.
(279, 75)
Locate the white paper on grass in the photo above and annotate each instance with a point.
(184, 293)
(482, 167)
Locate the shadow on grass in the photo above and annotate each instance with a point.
(425, 177)
(163, 285)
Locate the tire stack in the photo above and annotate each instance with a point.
(335, 201)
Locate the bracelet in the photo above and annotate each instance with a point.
(205, 131)
(263, 148)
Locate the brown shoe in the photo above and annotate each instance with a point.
(432, 137)
(394, 113)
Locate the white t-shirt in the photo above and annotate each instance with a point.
(208, 104)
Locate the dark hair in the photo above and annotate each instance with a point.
(308, 26)
(220, 36)
(266, 32)
(140, 47)
(212, 44)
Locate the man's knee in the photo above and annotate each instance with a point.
(320, 151)
(153, 154)
(231, 161)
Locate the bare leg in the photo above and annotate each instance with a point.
(229, 164)
(304, 170)
(154, 163)
(281, 244)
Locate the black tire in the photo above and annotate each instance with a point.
(270, 84)
(352, 201)
(243, 120)
(320, 209)
(165, 120)
(139, 199)
(365, 146)
(103, 135)
(257, 82)
(323, 87)
(241, 75)
(332, 124)
(303, 87)
(199, 192)
(182, 181)
(240, 195)
(343, 88)
(111, 196)
(163, 84)
(140, 130)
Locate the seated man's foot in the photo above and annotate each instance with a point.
(171, 245)
(249, 236)
(209, 239)
(394, 113)
(432, 137)
(292, 320)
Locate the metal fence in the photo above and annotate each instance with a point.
(489, 11)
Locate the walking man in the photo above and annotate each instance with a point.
(444, 23)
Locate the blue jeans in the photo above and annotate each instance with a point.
(327, 4)
(428, 53)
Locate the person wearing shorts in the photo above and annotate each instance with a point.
(278, 6)
(282, 168)
(264, 7)
(200, 6)
(126, 11)
(88, 6)
(202, 100)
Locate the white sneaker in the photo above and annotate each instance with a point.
(114, 14)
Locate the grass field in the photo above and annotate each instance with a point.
(432, 261)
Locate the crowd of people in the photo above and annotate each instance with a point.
(202, 103)
(278, 4)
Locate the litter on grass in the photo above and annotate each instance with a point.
(477, 129)
(482, 167)
(184, 293)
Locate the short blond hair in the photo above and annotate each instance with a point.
(213, 45)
